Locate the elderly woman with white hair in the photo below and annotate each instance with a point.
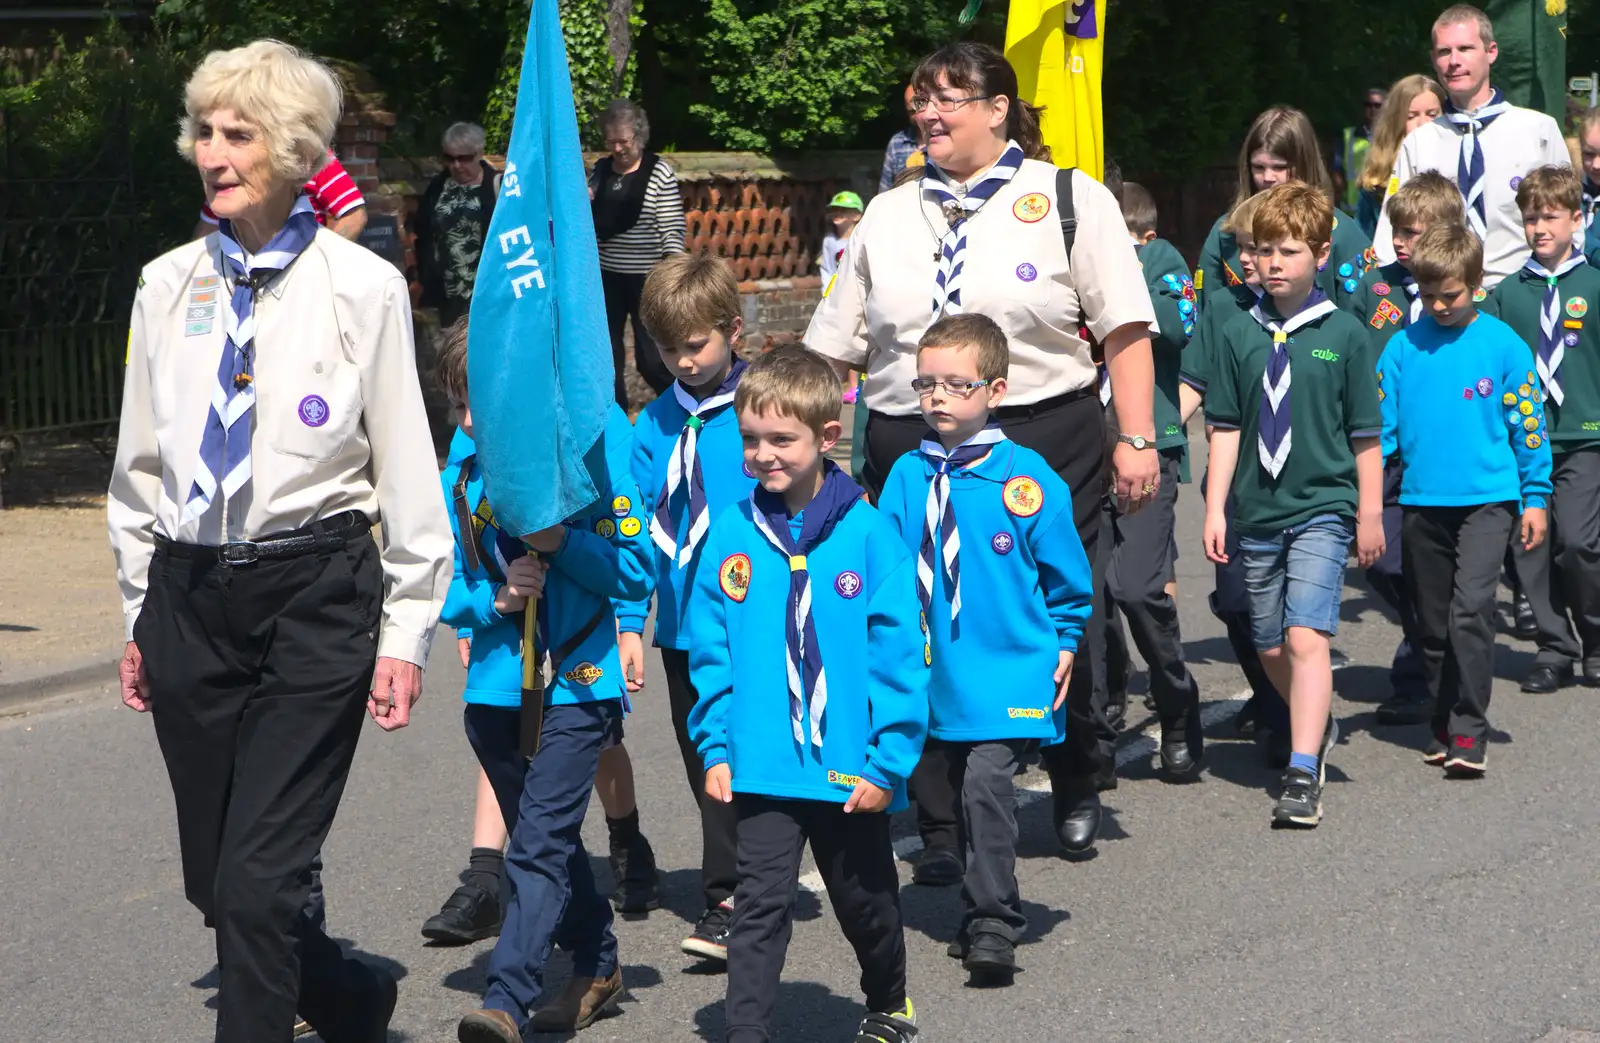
(453, 222)
(271, 417)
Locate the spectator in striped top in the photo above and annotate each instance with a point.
(453, 221)
(638, 219)
(333, 194)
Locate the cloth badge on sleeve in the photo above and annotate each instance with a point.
(1572, 324)
(1480, 295)
(1571, 340)
(848, 584)
(1577, 307)
(1023, 497)
(1466, 393)
(1346, 270)
(629, 526)
(621, 506)
(734, 576)
(1031, 208)
(1002, 543)
(1533, 441)
(1387, 311)
(605, 528)
(1381, 289)
(314, 411)
(585, 674)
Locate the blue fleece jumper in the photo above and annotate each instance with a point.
(727, 482)
(1463, 408)
(1026, 593)
(605, 555)
(864, 605)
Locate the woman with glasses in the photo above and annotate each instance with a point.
(982, 231)
(453, 221)
(638, 219)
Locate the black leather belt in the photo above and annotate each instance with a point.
(328, 534)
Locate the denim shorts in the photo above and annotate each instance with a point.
(1295, 578)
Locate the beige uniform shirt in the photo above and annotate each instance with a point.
(334, 331)
(1016, 272)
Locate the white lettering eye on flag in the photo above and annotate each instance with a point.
(510, 239)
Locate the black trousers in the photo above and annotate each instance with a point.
(855, 857)
(1387, 579)
(1452, 565)
(623, 290)
(989, 833)
(259, 678)
(719, 868)
(1072, 439)
(1562, 576)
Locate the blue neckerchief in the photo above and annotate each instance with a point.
(1470, 176)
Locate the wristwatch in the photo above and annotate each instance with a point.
(1137, 441)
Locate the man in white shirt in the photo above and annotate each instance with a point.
(1481, 142)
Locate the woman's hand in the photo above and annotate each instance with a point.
(1138, 476)
(135, 685)
(396, 687)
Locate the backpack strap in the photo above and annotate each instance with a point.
(1064, 207)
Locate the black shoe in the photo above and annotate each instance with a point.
(1469, 758)
(710, 938)
(957, 949)
(1437, 750)
(1405, 708)
(1176, 763)
(1300, 805)
(469, 915)
(1523, 625)
(1544, 679)
(1077, 815)
(938, 867)
(990, 955)
(633, 867)
(1591, 673)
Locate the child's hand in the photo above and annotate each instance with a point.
(1063, 676)
(719, 783)
(464, 645)
(546, 541)
(1533, 527)
(1216, 538)
(867, 798)
(524, 580)
(1370, 543)
(630, 649)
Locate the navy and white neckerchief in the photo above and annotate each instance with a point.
(1413, 312)
(1470, 176)
(1276, 437)
(225, 443)
(941, 540)
(1551, 348)
(683, 466)
(958, 210)
(1591, 203)
(808, 681)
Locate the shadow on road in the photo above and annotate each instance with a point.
(804, 1011)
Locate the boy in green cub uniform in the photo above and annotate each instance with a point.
(1295, 384)
(1548, 304)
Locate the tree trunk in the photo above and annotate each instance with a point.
(619, 36)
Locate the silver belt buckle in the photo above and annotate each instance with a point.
(242, 552)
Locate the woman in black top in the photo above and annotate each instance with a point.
(453, 221)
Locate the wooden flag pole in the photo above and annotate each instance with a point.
(532, 723)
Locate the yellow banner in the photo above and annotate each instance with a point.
(1058, 50)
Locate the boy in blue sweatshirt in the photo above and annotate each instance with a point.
(812, 668)
(1294, 383)
(1006, 591)
(688, 459)
(576, 571)
(1547, 304)
(1463, 408)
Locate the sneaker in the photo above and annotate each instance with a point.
(1437, 750)
(991, 956)
(1469, 758)
(710, 938)
(1301, 803)
(469, 915)
(897, 1027)
(637, 888)
(938, 867)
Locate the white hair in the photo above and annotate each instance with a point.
(292, 99)
(467, 136)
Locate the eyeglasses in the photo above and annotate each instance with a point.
(470, 157)
(943, 106)
(925, 386)
(619, 143)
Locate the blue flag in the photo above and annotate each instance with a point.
(538, 350)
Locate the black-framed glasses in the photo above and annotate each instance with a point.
(469, 157)
(943, 106)
(925, 386)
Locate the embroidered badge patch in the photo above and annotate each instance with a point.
(1023, 497)
(1572, 324)
(1199, 279)
(313, 411)
(1577, 307)
(1386, 312)
(1381, 289)
(1031, 208)
(1002, 543)
(1533, 441)
(585, 674)
(1480, 295)
(1530, 423)
(1516, 181)
(629, 527)
(1466, 393)
(621, 506)
(200, 315)
(734, 576)
(1508, 399)
(606, 528)
(1571, 340)
(1485, 387)
(847, 583)
(1027, 272)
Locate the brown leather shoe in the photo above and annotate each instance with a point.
(586, 1001)
(488, 1026)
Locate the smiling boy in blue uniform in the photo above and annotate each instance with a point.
(1006, 591)
(1461, 372)
(1387, 301)
(811, 665)
(1294, 384)
(578, 568)
(1547, 304)
(688, 457)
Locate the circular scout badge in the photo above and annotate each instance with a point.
(1571, 339)
(1577, 307)
(1516, 181)
(1185, 306)
(1031, 208)
(1530, 380)
(1530, 423)
(1350, 284)
(1533, 441)
(1525, 408)
(605, 527)
(1346, 270)
(1381, 289)
(1508, 399)
(847, 583)
(1523, 389)
(1027, 272)
(1023, 497)
(314, 409)
(621, 506)
(1002, 543)
(1513, 418)
(734, 576)
(1537, 396)
(1479, 295)
(629, 527)
(1485, 387)
(585, 674)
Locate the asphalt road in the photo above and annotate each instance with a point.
(1421, 910)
